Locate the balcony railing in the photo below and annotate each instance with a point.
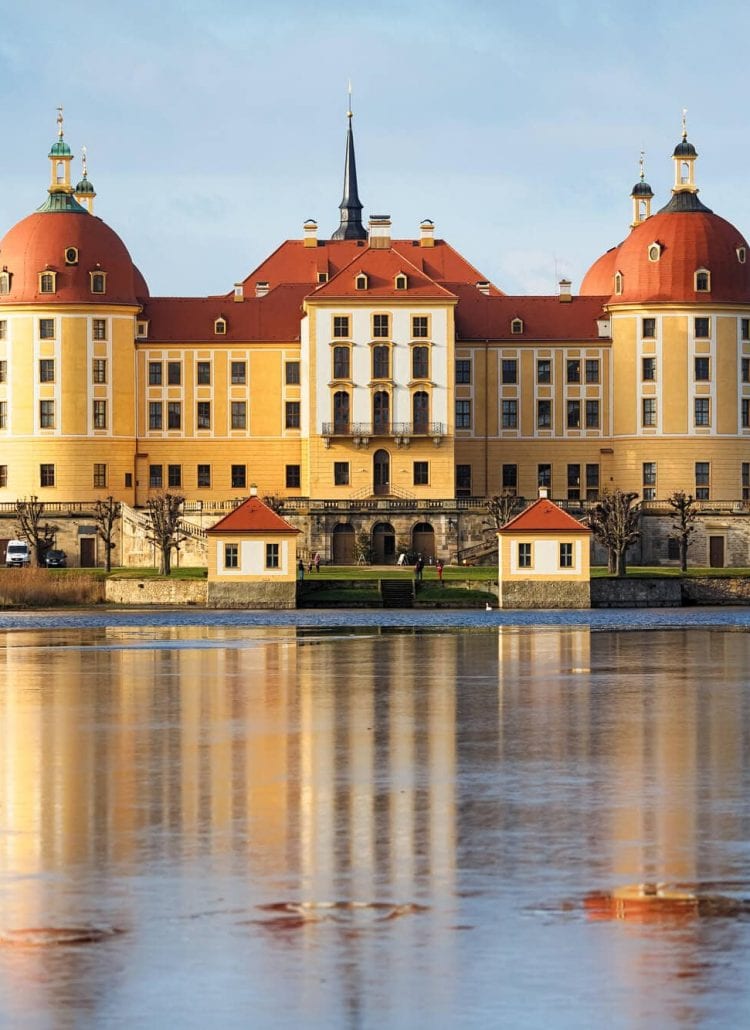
(367, 429)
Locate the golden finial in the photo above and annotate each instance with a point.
(643, 154)
(83, 162)
(349, 105)
(60, 122)
(684, 123)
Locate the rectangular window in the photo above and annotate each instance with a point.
(272, 556)
(46, 328)
(203, 373)
(239, 414)
(239, 477)
(510, 371)
(381, 362)
(3, 329)
(239, 373)
(203, 414)
(155, 477)
(47, 370)
(524, 556)
(174, 475)
(204, 476)
(231, 556)
(341, 326)
(745, 328)
(100, 414)
(99, 329)
(380, 326)
(544, 475)
(419, 326)
(574, 482)
(291, 416)
(174, 373)
(702, 369)
(592, 414)
(420, 363)
(592, 370)
(648, 369)
(47, 414)
(341, 473)
(154, 373)
(3, 414)
(463, 370)
(100, 475)
(746, 413)
(174, 414)
(293, 477)
(463, 480)
(566, 556)
(3, 475)
(592, 482)
(421, 473)
(573, 370)
(544, 414)
(649, 481)
(746, 370)
(99, 370)
(128, 480)
(702, 411)
(291, 373)
(463, 414)
(574, 414)
(649, 411)
(510, 479)
(3, 371)
(702, 328)
(649, 328)
(745, 476)
(510, 414)
(154, 415)
(702, 480)
(544, 370)
(46, 475)
(340, 362)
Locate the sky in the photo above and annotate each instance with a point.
(215, 128)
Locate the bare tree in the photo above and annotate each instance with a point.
(614, 521)
(685, 513)
(500, 509)
(40, 535)
(106, 515)
(165, 512)
(274, 503)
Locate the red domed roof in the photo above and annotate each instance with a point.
(39, 243)
(688, 241)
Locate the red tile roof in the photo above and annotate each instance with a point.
(546, 517)
(252, 516)
(479, 317)
(275, 317)
(381, 268)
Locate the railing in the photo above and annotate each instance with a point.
(368, 429)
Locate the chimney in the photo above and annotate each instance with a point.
(311, 233)
(427, 233)
(380, 232)
(604, 327)
(239, 292)
(565, 296)
(253, 490)
(484, 287)
(543, 492)
(261, 289)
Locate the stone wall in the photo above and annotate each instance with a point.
(716, 591)
(156, 591)
(251, 595)
(547, 594)
(636, 593)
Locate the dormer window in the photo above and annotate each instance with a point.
(4, 283)
(516, 326)
(98, 282)
(742, 255)
(654, 252)
(360, 283)
(47, 283)
(618, 283)
(71, 255)
(702, 281)
(141, 330)
(322, 278)
(401, 281)
(220, 327)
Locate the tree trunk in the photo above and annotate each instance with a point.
(621, 568)
(683, 554)
(611, 561)
(166, 566)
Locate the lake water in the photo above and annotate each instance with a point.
(414, 819)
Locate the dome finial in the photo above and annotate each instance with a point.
(85, 172)
(684, 123)
(349, 105)
(59, 122)
(643, 174)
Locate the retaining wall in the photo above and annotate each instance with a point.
(518, 594)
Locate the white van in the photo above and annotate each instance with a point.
(17, 553)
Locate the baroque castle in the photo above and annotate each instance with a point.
(378, 386)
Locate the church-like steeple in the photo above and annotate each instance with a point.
(350, 227)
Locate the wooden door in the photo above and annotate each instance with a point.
(716, 552)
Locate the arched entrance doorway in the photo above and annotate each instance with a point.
(342, 550)
(383, 544)
(423, 540)
(381, 472)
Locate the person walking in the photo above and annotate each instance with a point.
(316, 562)
(439, 568)
(300, 570)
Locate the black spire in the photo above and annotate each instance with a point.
(350, 227)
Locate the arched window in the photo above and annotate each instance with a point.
(421, 411)
(741, 255)
(516, 326)
(341, 412)
(702, 281)
(220, 326)
(4, 283)
(401, 281)
(618, 282)
(360, 283)
(46, 282)
(381, 362)
(98, 282)
(381, 412)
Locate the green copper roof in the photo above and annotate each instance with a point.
(59, 149)
(84, 186)
(57, 203)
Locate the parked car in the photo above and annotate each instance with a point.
(55, 559)
(17, 553)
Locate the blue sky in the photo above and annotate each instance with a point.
(214, 129)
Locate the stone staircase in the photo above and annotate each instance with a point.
(397, 593)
